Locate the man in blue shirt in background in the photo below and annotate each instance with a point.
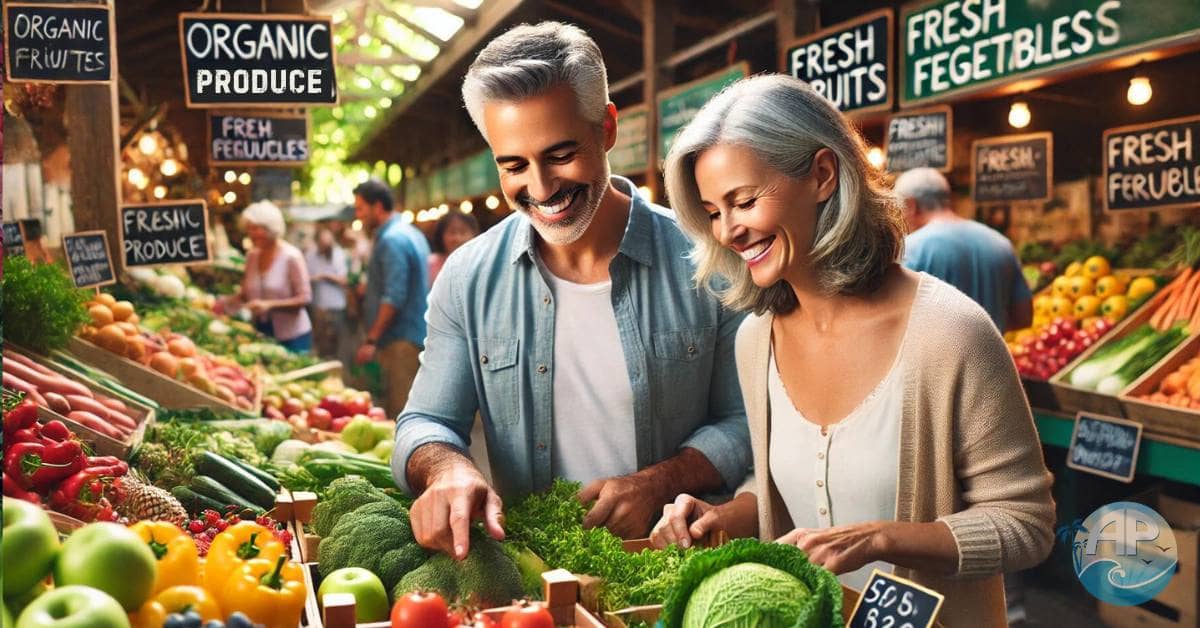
(966, 254)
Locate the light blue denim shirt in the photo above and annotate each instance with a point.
(490, 348)
(398, 274)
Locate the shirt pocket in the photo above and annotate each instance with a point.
(498, 367)
(682, 372)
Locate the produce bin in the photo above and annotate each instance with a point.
(650, 614)
(323, 369)
(1160, 418)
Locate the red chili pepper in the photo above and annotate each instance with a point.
(12, 489)
(59, 462)
(22, 416)
(112, 470)
(22, 460)
(56, 430)
(102, 461)
(77, 495)
(28, 435)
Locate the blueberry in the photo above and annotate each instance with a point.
(239, 620)
(192, 620)
(213, 623)
(174, 620)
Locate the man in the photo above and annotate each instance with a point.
(394, 307)
(328, 269)
(974, 258)
(572, 327)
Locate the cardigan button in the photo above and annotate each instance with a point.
(823, 511)
(820, 455)
(820, 483)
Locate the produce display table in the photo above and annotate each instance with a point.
(1160, 456)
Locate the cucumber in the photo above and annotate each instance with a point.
(194, 502)
(214, 490)
(263, 476)
(236, 479)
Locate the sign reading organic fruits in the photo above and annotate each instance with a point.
(889, 600)
(58, 43)
(850, 64)
(258, 140)
(14, 239)
(1012, 168)
(1105, 446)
(172, 232)
(88, 259)
(919, 139)
(1153, 166)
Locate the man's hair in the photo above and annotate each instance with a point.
(926, 186)
(375, 191)
(531, 59)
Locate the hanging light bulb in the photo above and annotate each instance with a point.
(244, 178)
(492, 202)
(136, 176)
(230, 176)
(875, 157)
(1018, 114)
(147, 144)
(169, 168)
(407, 216)
(230, 196)
(160, 191)
(466, 207)
(1139, 91)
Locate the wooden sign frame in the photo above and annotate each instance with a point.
(287, 115)
(1005, 139)
(1107, 419)
(949, 111)
(207, 234)
(841, 26)
(941, 599)
(683, 87)
(112, 41)
(108, 252)
(285, 17)
(21, 229)
(1104, 162)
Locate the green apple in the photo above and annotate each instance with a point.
(383, 450)
(18, 603)
(30, 545)
(74, 607)
(370, 598)
(6, 619)
(384, 430)
(109, 557)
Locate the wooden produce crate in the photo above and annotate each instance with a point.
(1161, 418)
(323, 369)
(650, 614)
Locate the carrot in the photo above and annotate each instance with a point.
(1170, 296)
(1188, 308)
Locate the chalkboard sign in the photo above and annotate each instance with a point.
(1105, 446)
(920, 139)
(849, 63)
(58, 43)
(678, 105)
(14, 239)
(889, 601)
(88, 259)
(171, 232)
(257, 60)
(257, 140)
(1153, 166)
(1012, 168)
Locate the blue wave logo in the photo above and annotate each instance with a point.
(1123, 553)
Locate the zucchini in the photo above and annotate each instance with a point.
(263, 476)
(194, 502)
(236, 479)
(214, 490)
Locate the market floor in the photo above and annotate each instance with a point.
(1050, 608)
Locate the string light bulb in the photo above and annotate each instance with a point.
(1019, 115)
(492, 202)
(407, 216)
(875, 157)
(160, 191)
(1139, 92)
(466, 207)
(230, 176)
(244, 178)
(230, 197)
(169, 168)
(136, 176)
(147, 144)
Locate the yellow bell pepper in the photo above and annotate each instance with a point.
(270, 593)
(178, 558)
(152, 614)
(231, 549)
(184, 598)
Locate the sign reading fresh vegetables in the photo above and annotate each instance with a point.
(1152, 166)
(14, 239)
(850, 63)
(58, 43)
(1105, 446)
(889, 600)
(1012, 168)
(258, 140)
(917, 139)
(174, 232)
(88, 259)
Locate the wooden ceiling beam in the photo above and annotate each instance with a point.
(449, 6)
(386, 11)
(592, 20)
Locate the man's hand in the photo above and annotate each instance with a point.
(365, 353)
(625, 505)
(456, 495)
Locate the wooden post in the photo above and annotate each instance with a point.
(794, 18)
(93, 126)
(658, 32)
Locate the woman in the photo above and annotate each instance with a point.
(452, 231)
(275, 287)
(888, 423)
(328, 269)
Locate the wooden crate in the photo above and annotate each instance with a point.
(324, 369)
(650, 614)
(1160, 418)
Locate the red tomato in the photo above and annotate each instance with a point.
(481, 621)
(527, 615)
(420, 610)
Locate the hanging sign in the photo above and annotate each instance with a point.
(631, 153)
(252, 60)
(849, 63)
(88, 259)
(1153, 166)
(678, 105)
(1012, 168)
(257, 140)
(889, 600)
(1105, 446)
(920, 139)
(58, 43)
(14, 239)
(170, 232)
(956, 47)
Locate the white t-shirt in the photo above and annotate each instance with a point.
(593, 400)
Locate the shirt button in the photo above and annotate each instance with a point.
(820, 483)
(541, 368)
(483, 359)
(820, 455)
(823, 511)
(691, 349)
(546, 300)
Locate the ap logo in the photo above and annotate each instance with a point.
(1124, 553)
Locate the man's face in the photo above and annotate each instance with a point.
(368, 213)
(553, 162)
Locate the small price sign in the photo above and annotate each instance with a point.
(892, 602)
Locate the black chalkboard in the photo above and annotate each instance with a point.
(14, 239)
(257, 60)
(1105, 446)
(920, 139)
(1153, 166)
(257, 140)
(58, 43)
(849, 63)
(88, 259)
(1012, 168)
(172, 232)
(893, 602)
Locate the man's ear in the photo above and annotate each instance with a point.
(610, 126)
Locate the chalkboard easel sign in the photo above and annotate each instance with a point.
(889, 600)
(920, 138)
(1153, 166)
(1105, 446)
(88, 259)
(1012, 168)
(262, 139)
(168, 232)
(14, 239)
(58, 43)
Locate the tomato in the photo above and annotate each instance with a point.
(481, 621)
(357, 405)
(528, 615)
(420, 610)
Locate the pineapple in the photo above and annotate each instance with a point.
(146, 502)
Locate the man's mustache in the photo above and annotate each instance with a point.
(525, 200)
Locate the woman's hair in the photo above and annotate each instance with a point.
(443, 223)
(266, 215)
(859, 231)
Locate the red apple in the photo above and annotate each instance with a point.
(358, 404)
(339, 423)
(292, 406)
(335, 406)
(320, 418)
(377, 413)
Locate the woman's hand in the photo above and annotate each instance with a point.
(682, 522)
(843, 548)
(258, 307)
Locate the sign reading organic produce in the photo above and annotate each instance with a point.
(88, 259)
(678, 105)
(849, 63)
(920, 139)
(631, 153)
(170, 232)
(14, 239)
(1105, 446)
(58, 43)
(257, 140)
(889, 600)
(955, 47)
(1153, 166)
(1012, 168)
(257, 60)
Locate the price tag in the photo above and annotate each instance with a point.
(1105, 446)
(14, 239)
(88, 259)
(892, 602)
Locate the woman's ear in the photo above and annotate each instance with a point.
(825, 173)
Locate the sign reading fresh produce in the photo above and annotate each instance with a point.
(258, 140)
(889, 600)
(257, 60)
(952, 47)
(173, 232)
(58, 43)
(14, 239)
(919, 139)
(1152, 166)
(631, 152)
(850, 63)
(678, 105)
(1105, 446)
(1012, 168)
(88, 259)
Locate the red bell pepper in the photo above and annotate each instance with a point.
(83, 495)
(56, 430)
(59, 462)
(12, 489)
(22, 460)
(24, 415)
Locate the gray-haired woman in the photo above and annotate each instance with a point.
(888, 423)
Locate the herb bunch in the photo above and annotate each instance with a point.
(42, 306)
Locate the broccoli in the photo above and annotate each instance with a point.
(343, 495)
(438, 574)
(530, 566)
(486, 576)
(377, 537)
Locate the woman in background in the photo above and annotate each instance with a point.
(452, 231)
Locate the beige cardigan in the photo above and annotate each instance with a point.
(969, 452)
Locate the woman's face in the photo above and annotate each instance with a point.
(765, 216)
(457, 234)
(259, 235)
